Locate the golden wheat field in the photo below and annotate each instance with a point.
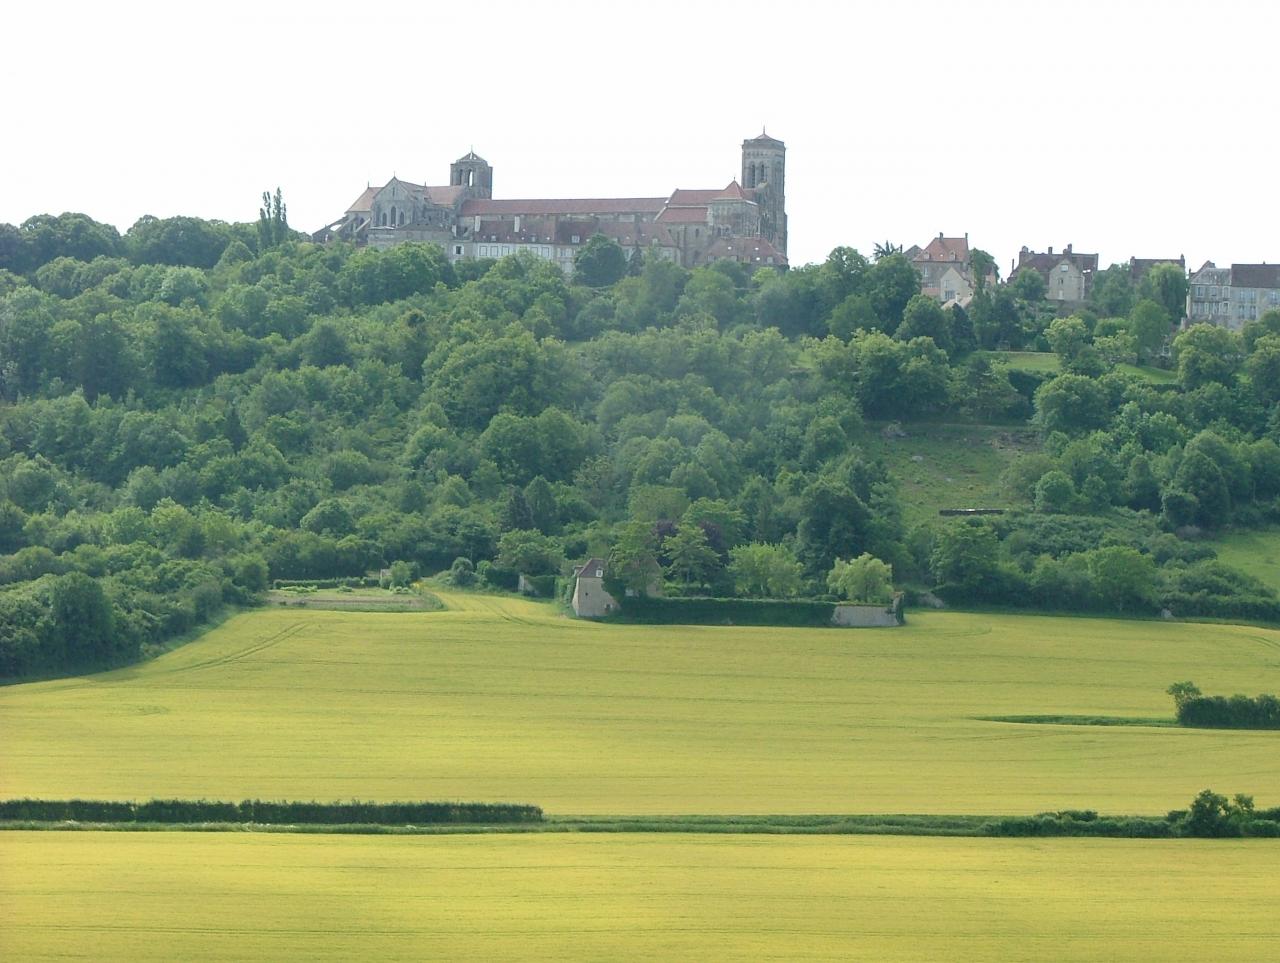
(503, 700)
(233, 896)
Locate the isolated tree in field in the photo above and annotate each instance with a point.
(863, 579)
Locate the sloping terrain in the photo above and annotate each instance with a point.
(499, 699)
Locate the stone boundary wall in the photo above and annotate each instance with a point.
(849, 615)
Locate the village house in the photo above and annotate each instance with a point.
(1234, 296)
(946, 270)
(1068, 275)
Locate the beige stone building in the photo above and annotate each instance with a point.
(590, 600)
(946, 269)
(1068, 275)
(744, 221)
(1232, 297)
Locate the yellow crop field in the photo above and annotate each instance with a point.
(233, 896)
(503, 700)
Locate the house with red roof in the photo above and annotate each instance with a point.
(945, 266)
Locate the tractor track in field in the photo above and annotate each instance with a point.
(240, 655)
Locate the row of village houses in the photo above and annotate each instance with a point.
(1229, 296)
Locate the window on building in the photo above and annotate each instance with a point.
(457, 249)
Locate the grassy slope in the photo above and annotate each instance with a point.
(1045, 362)
(959, 466)
(500, 700)
(1257, 553)
(235, 896)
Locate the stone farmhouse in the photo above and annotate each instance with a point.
(1234, 296)
(1068, 275)
(744, 221)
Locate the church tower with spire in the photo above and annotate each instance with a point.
(764, 170)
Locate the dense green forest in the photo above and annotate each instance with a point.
(194, 409)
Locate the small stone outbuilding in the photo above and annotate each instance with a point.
(590, 600)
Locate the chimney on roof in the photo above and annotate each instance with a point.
(940, 235)
(1068, 248)
(1050, 250)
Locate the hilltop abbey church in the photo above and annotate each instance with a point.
(745, 221)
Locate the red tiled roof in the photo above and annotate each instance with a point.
(732, 192)
(682, 215)
(444, 196)
(945, 249)
(754, 250)
(684, 197)
(546, 206)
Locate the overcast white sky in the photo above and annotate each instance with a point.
(1128, 128)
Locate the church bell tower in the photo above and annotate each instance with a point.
(473, 171)
(764, 169)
